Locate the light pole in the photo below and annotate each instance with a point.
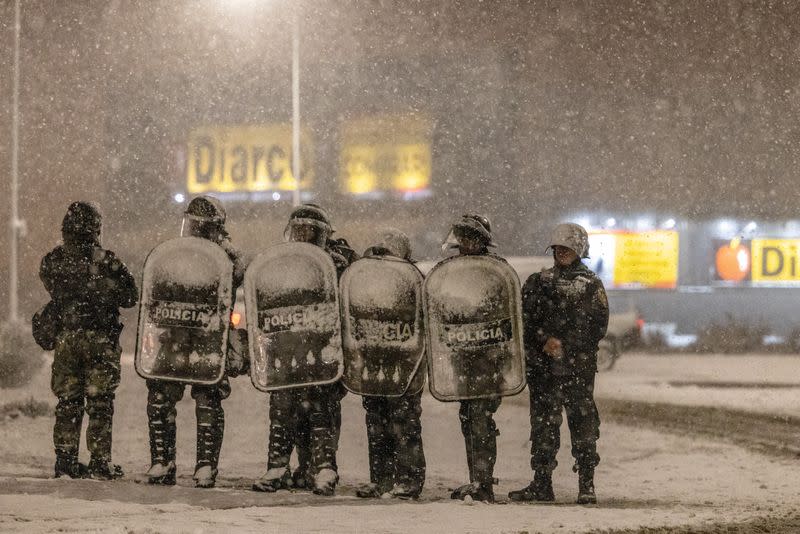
(15, 223)
(295, 108)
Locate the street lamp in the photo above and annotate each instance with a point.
(295, 108)
(15, 223)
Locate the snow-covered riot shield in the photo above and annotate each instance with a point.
(293, 323)
(382, 327)
(473, 320)
(184, 313)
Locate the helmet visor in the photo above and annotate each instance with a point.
(194, 226)
(307, 231)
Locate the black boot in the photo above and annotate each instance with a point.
(586, 486)
(67, 465)
(162, 474)
(540, 490)
(477, 491)
(102, 469)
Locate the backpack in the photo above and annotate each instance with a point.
(46, 326)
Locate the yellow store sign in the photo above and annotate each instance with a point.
(775, 261)
(635, 259)
(245, 158)
(385, 153)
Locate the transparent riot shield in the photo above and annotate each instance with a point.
(473, 319)
(382, 326)
(293, 319)
(184, 313)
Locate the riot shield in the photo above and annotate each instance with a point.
(473, 323)
(184, 313)
(382, 326)
(293, 317)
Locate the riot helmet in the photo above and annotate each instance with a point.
(82, 221)
(572, 236)
(309, 223)
(394, 243)
(204, 217)
(470, 227)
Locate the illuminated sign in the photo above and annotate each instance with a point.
(385, 153)
(758, 262)
(732, 261)
(631, 260)
(245, 158)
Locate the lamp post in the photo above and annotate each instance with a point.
(15, 223)
(295, 108)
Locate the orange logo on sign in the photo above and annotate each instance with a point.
(733, 261)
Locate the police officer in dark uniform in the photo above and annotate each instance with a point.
(565, 316)
(308, 418)
(88, 284)
(472, 235)
(394, 428)
(205, 218)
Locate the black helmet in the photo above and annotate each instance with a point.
(309, 223)
(481, 219)
(82, 219)
(472, 226)
(207, 209)
(204, 217)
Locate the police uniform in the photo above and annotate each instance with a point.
(308, 418)
(477, 415)
(394, 427)
(88, 285)
(568, 303)
(163, 395)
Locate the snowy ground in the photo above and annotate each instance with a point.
(750, 382)
(646, 478)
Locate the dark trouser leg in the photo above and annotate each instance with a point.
(381, 450)
(210, 421)
(282, 407)
(324, 415)
(583, 420)
(480, 437)
(546, 405)
(102, 380)
(161, 413)
(406, 427)
(68, 385)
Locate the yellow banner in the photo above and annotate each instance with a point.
(635, 259)
(385, 153)
(775, 260)
(245, 158)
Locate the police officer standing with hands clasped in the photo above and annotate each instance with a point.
(88, 285)
(566, 315)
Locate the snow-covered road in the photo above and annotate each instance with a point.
(646, 477)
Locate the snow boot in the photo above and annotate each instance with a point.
(540, 490)
(205, 476)
(586, 487)
(162, 474)
(103, 470)
(369, 491)
(276, 478)
(405, 491)
(325, 482)
(69, 466)
(476, 491)
(301, 479)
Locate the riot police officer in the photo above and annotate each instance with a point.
(204, 218)
(394, 428)
(88, 284)
(472, 236)
(565, 316)
(307, 417)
